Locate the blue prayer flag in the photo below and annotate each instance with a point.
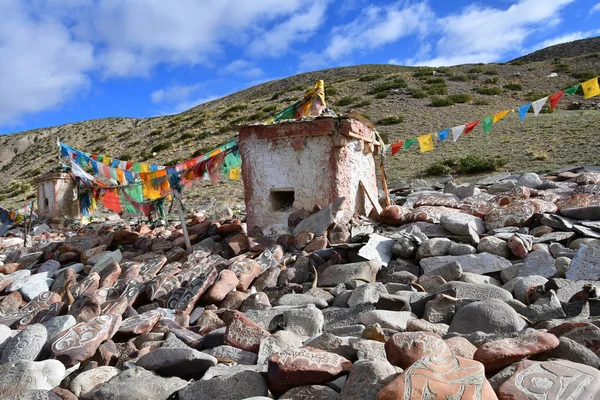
(443, 134)
(523, 111)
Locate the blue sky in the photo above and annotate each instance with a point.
(65, 61)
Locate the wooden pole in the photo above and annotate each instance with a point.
(28, 229)
(186, 236)
(388, 202)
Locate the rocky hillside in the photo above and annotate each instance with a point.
(402, 101)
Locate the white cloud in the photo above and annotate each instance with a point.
(486, 33)
(174, 93)
(42, 65)
(243, 68)
(595, 9)
(378, 26)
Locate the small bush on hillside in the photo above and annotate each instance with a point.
(475, 70)
(491, 72)
(533, 96)
(441, 102)
(564, 68)
(330, 91)
(513, 86)
(423, 72)
(271, 108)
(481, 102)
(235, 108)
(460, 98)
(382, 95)
(156, 132)
(369, 78)
(518, 62)
(584, 76)
(419, 94)
(491, 81)
(471, 164)
(346, 100)
(488, 91)
(363, 103)
(459, 78)
(126, 157)
(160, 147)
(437, 89)
(397, 83)
(391, 120)
(430, 81)
(187, 135)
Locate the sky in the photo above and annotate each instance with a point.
(64, 61)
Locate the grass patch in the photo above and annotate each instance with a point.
(437, 89)
(382, 94)
(419, 94)
(459, 78)
(391, 120)
(481, 102)
(564, 68)
(126, 157)
(235, 108)
(156, 132)
(346, 100)
(441, 102)
(492, 81)
(363, 103)
(488, 91)
(271, 108)
(431, 81)
(186, 136)
(369, 78)
(160, 147)
(460, 98)
(471, 164)
(491, 72)
(584, 76)
(533, 96)
(476, 70)
(397, 83)
(513, 86)
(330, 91)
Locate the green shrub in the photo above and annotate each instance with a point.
(460, 98)
(471, 164)
(430, 81)
(437, 89)
(419, 94)
(488, 91)
(517, 62)
(135, 143)
(270, 108)
(156, 132)
(564, 68)
(298, 87)
(584, 76)
(187, 135)
(533, 96)
(363, 103)
(160, 147)
(439, 168)
(423, 72)
(481, 102)
(346, 100)
(277, 94)
(397, 83)
(391, 120)
(126, 157)
(235, 108)
(492, 81)
(330, 91)
(513, 86)
(459, 78)
(441, 102)
(475, 70)
(369, 78)
(382, 94)
(196, 123)
(491, 72)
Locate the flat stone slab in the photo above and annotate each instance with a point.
(481, 263)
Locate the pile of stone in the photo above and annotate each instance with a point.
(481, 291)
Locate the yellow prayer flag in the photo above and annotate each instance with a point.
(590, 88)
(235, 173)
(500, 115)
(426, 143)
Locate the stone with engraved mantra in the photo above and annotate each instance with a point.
(26, 314)
(80, 341)
(140, 324)
(185, 298)
(303, 366)
(161, 287)
(246, 271)
(428, 214)
(243, 333)
(440, 377)
(404, 348)
(150, 264)
(501, 353)
(584, 333)
(515, 194)
(517, 213)
(551, 380)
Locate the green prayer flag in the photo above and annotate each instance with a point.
(408, 143)
(288, 113)
(487, 124)
(572, 89)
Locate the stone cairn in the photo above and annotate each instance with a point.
(483, 291)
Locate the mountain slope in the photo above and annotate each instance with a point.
(385, 94)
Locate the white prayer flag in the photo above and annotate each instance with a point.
(457, 131)
(538, 104)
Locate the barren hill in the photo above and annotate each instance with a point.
(402, 101)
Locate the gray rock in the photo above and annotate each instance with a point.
(585, 265)
(19, 376)
(341, 317)
(459, 223)
(365, 380)
(56, 325)
(342, 273)
(494, 245)
(304, 322)
(5, 334)
(538, 263)
(475, 291)
(378, 249)
(488, 316)
(233, 387)
(299, 300)
(470, 277)
(369, 350)
(350, 330)
(461, 249)
(310, 392)
(481, 263)
(101, 260)
(35, 285)
(180, 362)
(577, 243)
(568, 349)
(562, 265)
(498, 379)
(511, 272)
(269, 318)
(433, 248)
(440, 309)
(529, 180)
(138, 383)
(387, 319)
(520, 285)
(333, 344)
(450, 272)
(26, 345)
(49, 266)
(229, 370)
(321, 220)
(83, 384)
(231, 353)
(489, 180)
(368, 293)
(403, 248)
(37, 394)
(278, 341)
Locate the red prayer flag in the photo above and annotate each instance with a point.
(470, 126)
(111, 200)
(396, 147)
(555, 98)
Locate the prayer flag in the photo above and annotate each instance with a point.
(396, 147)
(487, 124)
(573, 89)
(426, 143)
(235, 173)
(470, 126)
(408, 143)
(442, 135)
(457, 131)
(538, 104)
(500, 115)
(523, 111)
(555, 98)
(590, 88)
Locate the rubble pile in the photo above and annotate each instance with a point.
(481, 291)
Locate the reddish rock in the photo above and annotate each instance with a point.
(85, 307)
(437, 201)
(501, 353)
(440, 377)
(511, 196)
(5, 281)
(208, 322)
(394, 215)
(238, 243)
(233, 300)
(270, 257)
(243, 333)
(107, 354)
(160, 287)
(11, 303)
(461, 347)
(267, 279)
(9, 269)
(556, 379)
(339, 234)
(185, 298)
(109, 275)
(160, 245)
(518, 247)
(404, 348)
(303, 238)
(150, 264)
(123, 237)
(69, 257)
(230, 229)
(541, 231)
(303, 366)
(80, 342)
(26, 314)
(428, 214)
(64, 394)
(318, 243)
(115, 307)
(225, 283)
(87, 286)
(200, 228)
(85, 255)
(518, 213)
(130, 289)
(584, 333)
(246, 271)
(140, 324)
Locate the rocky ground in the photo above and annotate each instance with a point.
(483, 291)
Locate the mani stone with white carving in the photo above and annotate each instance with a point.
(556, 379)
(303, 366)
(19, 376)
(342, 273)
(243, 333)
(585, 264)
(488, 316)
(481, 263)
